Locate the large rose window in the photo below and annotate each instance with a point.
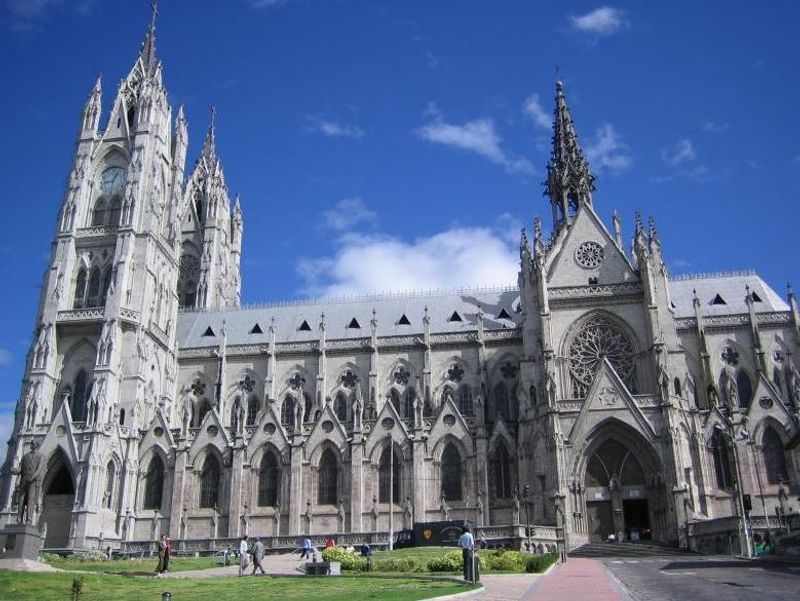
(600, 338)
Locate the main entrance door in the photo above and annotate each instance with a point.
(615, 480)
(59, 497)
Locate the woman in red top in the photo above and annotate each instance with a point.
(330, 543)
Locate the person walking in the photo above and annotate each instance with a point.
(243, 556)
(258, 554)
(306, 554)
(162, 552)
(467, 544)
(167, 555)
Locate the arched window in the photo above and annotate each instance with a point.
(253, 406)
(776, 379)
(269, 479)
(722, 463)
(154, 483)
(340, 407)
(501, 472)
(394, 397)
(106, 283)
(451, 473)
(501, 404)
(745, 389)
(309, 408)
(676, 385)
(384, 476)
(78, 405)
(532, 395)
(94, 288)
(287, 411)
(108, 497)
(774, 456)
(601, 338)
(114, 210)
(122, 417)
(408, 402)
(99, 213)
(328, 490)
(209, 482)
(80, 289)
(465, 400)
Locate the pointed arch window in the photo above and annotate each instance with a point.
(501, 472)
(209, 482)
(451, 473)
(745, 389)
(108, 497)
(394, 397)
(253, 406)
(78, 405)
(80, 289)
(389, 468)
(99, 213)
(327, 489)
(269, 478)
(465, 401)
(107, 275)
(776, 379)
(94, 288)
(501, 401)
(154, 483)
(202, 409)
(340, 407)
(122, 417)
(287, 411)
(677, 387)
(774, 456)
(308, 408)
(408, 403)
(114, 212)
(722, 461)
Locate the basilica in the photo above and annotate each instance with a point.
(597, 395)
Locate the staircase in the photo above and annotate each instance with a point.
(625, 550)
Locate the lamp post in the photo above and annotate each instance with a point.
(391, 494)
(525, 492)
(739, 492)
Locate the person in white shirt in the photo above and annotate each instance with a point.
(467, 544)
(243, 556)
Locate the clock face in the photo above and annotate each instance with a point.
(112, 181)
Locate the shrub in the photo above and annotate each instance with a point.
(506, 561)
(349, 561)
(397, 564)
(449, 562)
(539, 563)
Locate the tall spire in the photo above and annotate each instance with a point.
(209, 146)
(148, 53)
(569, 182)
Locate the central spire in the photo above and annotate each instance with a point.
(148, 52)
(569, 182)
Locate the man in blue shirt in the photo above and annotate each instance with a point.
(467, 544)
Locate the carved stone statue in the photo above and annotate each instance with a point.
(550, 388)
(515, 508)
(444, 509)
(479, 509)
(342, 516)
(30, 476)
(408, 514)
(358, 407)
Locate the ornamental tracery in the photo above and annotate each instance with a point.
(589, 255)
(600, 338)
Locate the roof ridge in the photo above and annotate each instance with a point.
(712, 275)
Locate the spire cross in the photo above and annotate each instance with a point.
(154, 7)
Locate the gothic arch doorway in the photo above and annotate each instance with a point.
(57, 502)
(622, 487)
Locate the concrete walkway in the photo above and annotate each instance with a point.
(283, 565)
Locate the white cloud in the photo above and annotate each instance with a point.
(601, 21)
(478, 136)
(607, 152)
(333, 129)
(533, 108)
(713, 127)
(27, 15)
(681, 152)
(460, 256)
(5, 356)
(347, 213)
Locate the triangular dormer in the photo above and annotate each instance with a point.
(211, 432)
(383, 429)
(256, 329)
(766, 402)
(326, 428)
(158, 433)
(449, 422)
(403, 321)
(268, 431)
(609, 398)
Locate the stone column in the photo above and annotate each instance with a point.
(235, 495)
(296, 502)
(356, 482)
(178, 481)
(481, 448)
(419, 479)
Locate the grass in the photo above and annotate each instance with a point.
(24, 586)
(134, 566)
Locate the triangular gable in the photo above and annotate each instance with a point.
(265, 434)
(59, 434)
(766, 402)
(379, 432)
(335, 434)
(119, 114)
(587, 227)
(165, 440)
(608, 397)
(500, 432)
(440, 427)
(714, 419)
(219, 438)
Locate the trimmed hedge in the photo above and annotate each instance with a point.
(539, 563)
(349, 561)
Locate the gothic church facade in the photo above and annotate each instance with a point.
(596, 394)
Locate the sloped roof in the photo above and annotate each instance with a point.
(731, 289)
(339, 314)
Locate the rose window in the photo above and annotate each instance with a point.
(589, 255)
(599, 339)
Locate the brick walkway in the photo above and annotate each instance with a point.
(577, 580)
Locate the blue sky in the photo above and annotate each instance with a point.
(378, 145)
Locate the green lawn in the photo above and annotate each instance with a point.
(135, 566)
(19, 586)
